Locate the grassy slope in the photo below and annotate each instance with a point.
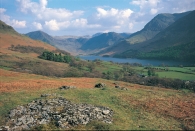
(27, 62)
(140, 107)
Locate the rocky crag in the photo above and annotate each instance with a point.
(58, 109)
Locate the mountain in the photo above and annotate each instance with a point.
(176, 42)
(152, 28)
(157, 24)
(9, 37)
(42, 36)
(68, 43)
(97, 34)
(4, 28)
(125, 35)
(102, 41)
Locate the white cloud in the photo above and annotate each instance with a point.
(52, 25)
(37, 25)
(104, 18)
(4, 17)
(130, 25)
(113, 13)
(18, 24)
(43, 13)
(111, 19)
(14, 23)
(153, 11)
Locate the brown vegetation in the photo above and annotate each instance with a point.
(7, 40)
(14, 81)
(181, 108)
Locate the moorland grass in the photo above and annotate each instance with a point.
(126, 116)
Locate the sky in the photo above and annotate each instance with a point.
(86, 17)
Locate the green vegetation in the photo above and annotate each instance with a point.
(131, 108)
(184, 52)
(176, 42)
(47, 55)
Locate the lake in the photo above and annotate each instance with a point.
(144, 62)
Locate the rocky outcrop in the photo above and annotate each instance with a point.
(67, 87)
(121, 88)
(100, 85)
(58, 109)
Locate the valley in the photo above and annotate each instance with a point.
(146, 79)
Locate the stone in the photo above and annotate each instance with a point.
(67, 87)
(19, 123)
(100, 85)
(117, 86)
(57, 109)
(105, 112)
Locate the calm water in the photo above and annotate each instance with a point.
(143, 62)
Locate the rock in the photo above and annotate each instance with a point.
(67, 87)
(123, 88)
(105, 112)
(45, 95)
(100, 85)
(117, 86)
(58, 109)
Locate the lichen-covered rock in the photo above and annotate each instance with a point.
(58, 109)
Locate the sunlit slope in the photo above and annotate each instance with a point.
(138, 108)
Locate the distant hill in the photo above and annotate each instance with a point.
(102, 41)
(152, 28)
(68, 43)
(175, 42)
(42, 36)
(125, 35)
(97, 34)
(4, 28)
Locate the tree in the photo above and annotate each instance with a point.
(67, 59)
(151, 72)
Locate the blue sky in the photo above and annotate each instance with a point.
(86, 17)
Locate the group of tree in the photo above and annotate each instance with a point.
(47, 55)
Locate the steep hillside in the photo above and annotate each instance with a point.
(156, 25)
(102, 41)
(4, 28)
(20, 53)
(176, 41)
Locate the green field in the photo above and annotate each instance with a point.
(184, 73)
(134, 114)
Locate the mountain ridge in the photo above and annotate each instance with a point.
(179, 37)
(152, 28)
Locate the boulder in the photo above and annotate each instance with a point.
(100, 85)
